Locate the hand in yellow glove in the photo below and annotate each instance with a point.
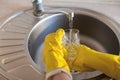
(86, 59)
(107, 63)
(53, 55)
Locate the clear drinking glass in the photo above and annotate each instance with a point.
(71, 40)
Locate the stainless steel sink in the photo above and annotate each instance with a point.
(96, 31)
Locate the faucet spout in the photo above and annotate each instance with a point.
(68, 12)
(37, 7)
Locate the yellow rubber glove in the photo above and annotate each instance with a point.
(53, 54)
(88, 58)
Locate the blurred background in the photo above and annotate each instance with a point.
(108, 7)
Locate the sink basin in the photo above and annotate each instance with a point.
(96, 34)
(96, 31)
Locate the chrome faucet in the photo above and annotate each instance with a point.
(37, 7)
(38, 10)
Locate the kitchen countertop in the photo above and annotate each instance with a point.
(8, 7)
